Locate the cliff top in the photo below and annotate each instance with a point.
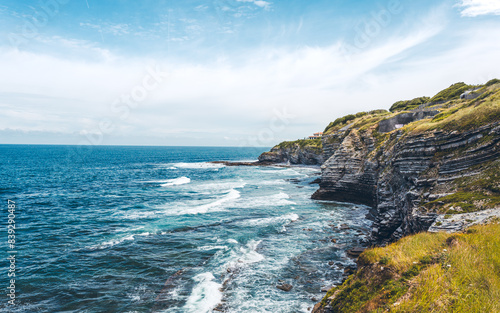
(481, 105)
(425, 273)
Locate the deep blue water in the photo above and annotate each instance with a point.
(158, 229)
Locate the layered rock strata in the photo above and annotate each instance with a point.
(396, 174)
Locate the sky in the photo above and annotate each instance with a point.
(227, 72)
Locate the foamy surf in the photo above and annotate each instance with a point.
(177, 181)
(199, 165)
(205, 295)
(114, 242)
(281, 220)
(246, 255)
(279, 199)
(221, 186)
(208, 248)
(216, 206)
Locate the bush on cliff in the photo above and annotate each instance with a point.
(492, 82)
(465, 115)
(409, 104)
(346, 120)
(312, 144)
(426, 273)
(451, 93)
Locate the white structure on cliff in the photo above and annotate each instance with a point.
(316, 135)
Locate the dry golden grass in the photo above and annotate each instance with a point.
(402, 254)
(465, 115)
(432, 273)
(467, 280)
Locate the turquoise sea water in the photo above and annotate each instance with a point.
(158, 229)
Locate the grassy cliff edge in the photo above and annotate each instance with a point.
(426, 272)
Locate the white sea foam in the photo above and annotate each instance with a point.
(208, 248)
(279, 199)
(199, 165)
(167, 166)
(211, 187)
(283, 220)
(177, 181)
(205, 295)
(270, 182)
(137, 215)
(232, 241)
(246, 255)
(283, 171)
(116, 241)
(250, 254)
(216, 206)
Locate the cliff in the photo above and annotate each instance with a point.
(427, 272)
(308, 152)
(413, 167)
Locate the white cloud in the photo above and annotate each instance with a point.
(203, 103)
(259, 3)
(109, 28)
(75, 47)
(201, 7)
(474, 8)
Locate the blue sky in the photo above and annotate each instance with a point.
(227, 72)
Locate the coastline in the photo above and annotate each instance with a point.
(351, 252)
(431, 168)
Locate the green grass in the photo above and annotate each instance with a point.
(426, 273)
(472, 193)
(464, 202)
(451, 93)
(409, 104)
(343, 121)
(465, 115)
(488, 180)
(492, 82)
(352, 118)
(313, 144)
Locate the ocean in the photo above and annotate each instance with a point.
(160, 229)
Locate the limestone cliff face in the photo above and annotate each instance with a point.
(396, 174)
(403, 173)
(348, 175)
(411, 167)
(421, 168)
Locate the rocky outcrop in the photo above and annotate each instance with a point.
(397, 173)
(445, 160)
(348, 176)
(391, 124)
(404, 173)
(294, 154)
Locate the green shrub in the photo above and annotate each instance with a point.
(492, 82)
(344, 121)
(409, 104)
(451, 93)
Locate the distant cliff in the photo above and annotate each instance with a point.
(413, 165)
(308, 152)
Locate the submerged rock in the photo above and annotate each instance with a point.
(285, 287)
(355, 252)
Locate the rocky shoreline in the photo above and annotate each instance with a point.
(438, 172)
(399, 174)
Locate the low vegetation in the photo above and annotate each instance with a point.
(464, 202)
(466, 114)
(426, 273)
(313, 144)
(409, 104)
(487, 180)
(472, 193)
(451, 93)
(353, 118)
